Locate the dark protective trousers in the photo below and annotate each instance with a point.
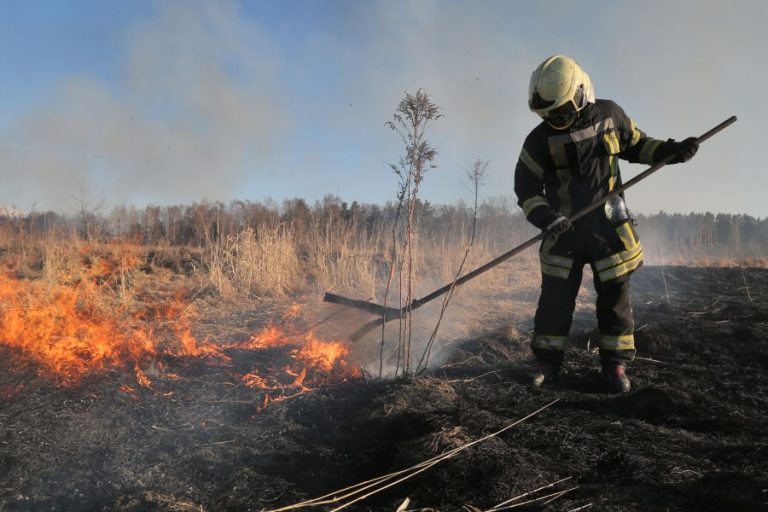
(613, 254)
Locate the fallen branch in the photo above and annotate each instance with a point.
(354, 493)
(583, 507)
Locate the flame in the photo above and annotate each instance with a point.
(253, 380)
(62, 332)
(299, 380)
(69, 335)
(314, 363)
(142, 378)
(71, 331)
(322, 354)
(307, 348)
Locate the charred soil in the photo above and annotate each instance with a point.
(689, 436)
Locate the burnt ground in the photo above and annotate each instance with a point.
(690, 436)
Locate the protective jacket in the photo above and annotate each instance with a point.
(563, 171)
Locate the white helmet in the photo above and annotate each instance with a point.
(559, 88)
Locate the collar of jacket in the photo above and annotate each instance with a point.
(587, 117)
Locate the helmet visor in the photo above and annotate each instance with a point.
(563, 116)
(536, 102)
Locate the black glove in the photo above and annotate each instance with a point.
(559, 226)
(686, 149)
(683, 150)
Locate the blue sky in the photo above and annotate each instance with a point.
(179, 100)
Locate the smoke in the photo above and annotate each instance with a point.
(678, 69)
(194, 107)
(207, 95)
(471, 68)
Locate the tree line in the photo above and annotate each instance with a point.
(667, 238)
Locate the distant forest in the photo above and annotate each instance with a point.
(693, 238)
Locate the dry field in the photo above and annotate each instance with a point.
(214, 378)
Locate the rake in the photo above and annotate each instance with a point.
(385, 314)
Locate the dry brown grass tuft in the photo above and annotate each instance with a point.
(255, 262)
(343, 258)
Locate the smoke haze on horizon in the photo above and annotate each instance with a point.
(237, 100)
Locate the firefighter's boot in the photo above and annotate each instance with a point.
(543, 372)
(614, 379)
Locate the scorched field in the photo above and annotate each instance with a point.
(175, 398)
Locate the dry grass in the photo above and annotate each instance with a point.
(259, 272)
(343, 258)
(276, 260)
(255, 262)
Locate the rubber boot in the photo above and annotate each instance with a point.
(614, 379)
(541, 372)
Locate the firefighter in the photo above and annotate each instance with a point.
(567, 162)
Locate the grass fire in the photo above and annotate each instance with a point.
(143, 376)
(191, 322)
(68, 332)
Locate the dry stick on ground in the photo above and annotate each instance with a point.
(404, 505)
(583, 507)
(547, 498)
(649, 360)
(552, 497)
(438, 459)
(379, 484)
(470, 379)
(507, 502)
(475, 174)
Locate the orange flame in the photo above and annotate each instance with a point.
(70, 332)
(63, 333)
(322, 354)
(69, 335)
(314, 363)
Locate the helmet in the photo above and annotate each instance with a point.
(559, 89)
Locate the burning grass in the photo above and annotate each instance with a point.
(79, 327)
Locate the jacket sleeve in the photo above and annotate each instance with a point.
(635, 145)
(529, 188)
